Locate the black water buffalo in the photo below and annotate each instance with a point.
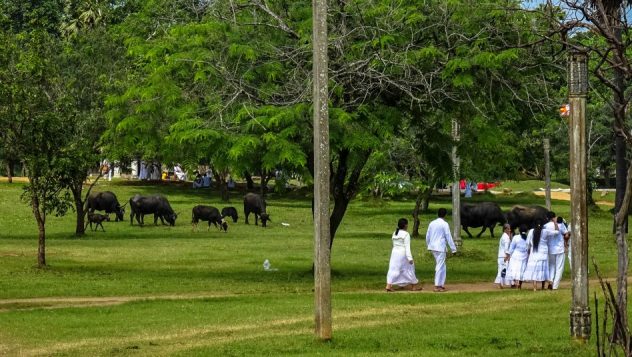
(106, 201)
(230, 212)
(210, 214)
(484, 214)
(97, 219)
(157, 205)
(253, 203)
(526, 215)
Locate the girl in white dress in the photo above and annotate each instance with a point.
(538, 264)
(519, 253)
(401, 269)
(503, 256)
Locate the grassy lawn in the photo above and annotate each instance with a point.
(205, 293)
(529, 185)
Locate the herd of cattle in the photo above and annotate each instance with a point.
(488, 214)
(473, 215)
(161, 209)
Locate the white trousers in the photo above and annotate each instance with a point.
(440, 268)
(556, 269)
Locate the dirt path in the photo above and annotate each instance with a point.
(566, 196)
(86, 301)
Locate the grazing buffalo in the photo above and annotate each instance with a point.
(253, 203)
(157, 205)
(484, 214)
(210, 214)
(97, 219)
(230, 212)
(526, 215)
(106, 201)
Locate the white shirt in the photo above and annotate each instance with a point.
(438, 235)
(543, 247)
(503, 245)
(518, 248)
(401, 240)
(556, 243)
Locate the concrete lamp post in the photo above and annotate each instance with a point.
(580, 316)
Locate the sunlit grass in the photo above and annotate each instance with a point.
(208, 293)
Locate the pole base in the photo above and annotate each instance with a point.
(580, 318)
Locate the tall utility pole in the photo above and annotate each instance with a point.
(577, 90)
(456, 189)
(547, 174)
(322, 252)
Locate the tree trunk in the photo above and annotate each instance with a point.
(9, 166)
(223, 187)
(340, 208)
(41, 225)
(265, 179)
(250, 184)
(416, 221)
(80, 228)
(622, 255)
(622, 274)
(425, 202)
(344, 188)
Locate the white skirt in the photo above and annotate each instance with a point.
(516, 269)
(499, 276)
(400, 271)
(537, 270)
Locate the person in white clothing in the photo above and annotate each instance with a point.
(567, 241)
(538, 263)
(556, 251)
(180, 174)
(401, 269)
(503, 256)
(519, 253)
(437, 237)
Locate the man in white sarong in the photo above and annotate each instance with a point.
(437, 237)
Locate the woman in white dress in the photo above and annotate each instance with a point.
(503, 256)
(401, 269)
(538, 264)
(519, 253)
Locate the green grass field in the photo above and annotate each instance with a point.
(161, 290)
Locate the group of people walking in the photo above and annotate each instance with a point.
(535, 255)
(401, 270)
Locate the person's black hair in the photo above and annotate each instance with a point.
(401, 224)
(523, 231)
(550, 215)
(442, 212)
(560, 220)
(537, 234)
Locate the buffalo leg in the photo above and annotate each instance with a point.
(491, 229)
(247, 214)
(256, 219)
(99, 224)
(468, 232)
(480, 234)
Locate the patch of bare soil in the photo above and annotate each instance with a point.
(65, 301)
(562, 196)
